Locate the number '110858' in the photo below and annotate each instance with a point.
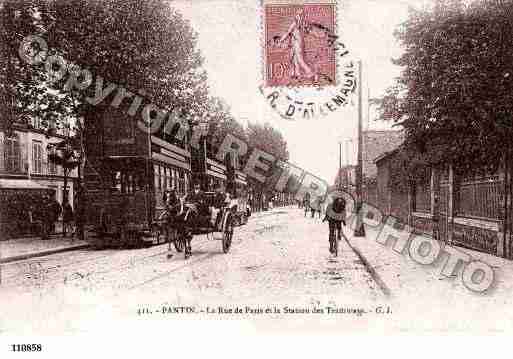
(26, 347)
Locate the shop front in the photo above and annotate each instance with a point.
(19, 204)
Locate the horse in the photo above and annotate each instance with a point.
(183, 221)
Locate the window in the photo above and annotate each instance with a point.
(156, 174)
(36, 123)
(37, 157)
(162, 184)
(165, 172)
(168, 178)
(175, 179)
(12, 155)
(181, 182)
(128, 182)
(52, 167)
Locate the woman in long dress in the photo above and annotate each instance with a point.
(297, 31)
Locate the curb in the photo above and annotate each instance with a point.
(42, 253)
(375, 276)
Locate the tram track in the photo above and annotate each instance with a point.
(105, 259)
(189, 262)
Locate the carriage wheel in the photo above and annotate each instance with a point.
(227, 234)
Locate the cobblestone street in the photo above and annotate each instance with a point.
(279, 259)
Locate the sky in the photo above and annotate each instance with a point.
(229, 35)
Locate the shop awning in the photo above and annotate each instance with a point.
(17, 184)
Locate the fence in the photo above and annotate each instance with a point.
(468, 212)
(479, 199)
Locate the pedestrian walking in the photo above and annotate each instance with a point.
(315, 206)
(67, 219)
(54, 210)
(306, 202)
(79, 214)
(43, 216)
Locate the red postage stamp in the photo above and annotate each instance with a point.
(298, 39)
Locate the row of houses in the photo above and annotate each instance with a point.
(473, 212)
(26, 174)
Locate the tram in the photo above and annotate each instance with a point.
(125, 175)
(212, 174)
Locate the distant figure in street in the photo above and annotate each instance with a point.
(67, 219)
(306, 202)
(335, 219)
(45, 213)
(79, 213)
(54, 211)
(316, 207)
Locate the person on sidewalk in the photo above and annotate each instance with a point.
(43, 211)
(79, 214)
(67, 219)
(54, 212)
(335, 220)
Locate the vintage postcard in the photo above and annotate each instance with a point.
(265, 167)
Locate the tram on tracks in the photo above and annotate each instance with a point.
(126, 174)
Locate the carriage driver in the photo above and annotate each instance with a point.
(197, 197)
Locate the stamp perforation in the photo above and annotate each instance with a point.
(263, 31)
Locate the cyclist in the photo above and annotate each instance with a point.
(335, 221)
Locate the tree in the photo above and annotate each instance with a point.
(266, 138)
(24, 94)
(144, 46)
(63, 154)
(454, 97)
(221, 123)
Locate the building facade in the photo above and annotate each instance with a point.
(474, 212)
(346, 178)
(374, 144)
(25, 173)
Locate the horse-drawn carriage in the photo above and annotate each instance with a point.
(180, 223)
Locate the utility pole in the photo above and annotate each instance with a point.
(359, 230)
(368, 108)
(340, 165)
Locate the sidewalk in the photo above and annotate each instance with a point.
(407, 278)
(28, 247)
